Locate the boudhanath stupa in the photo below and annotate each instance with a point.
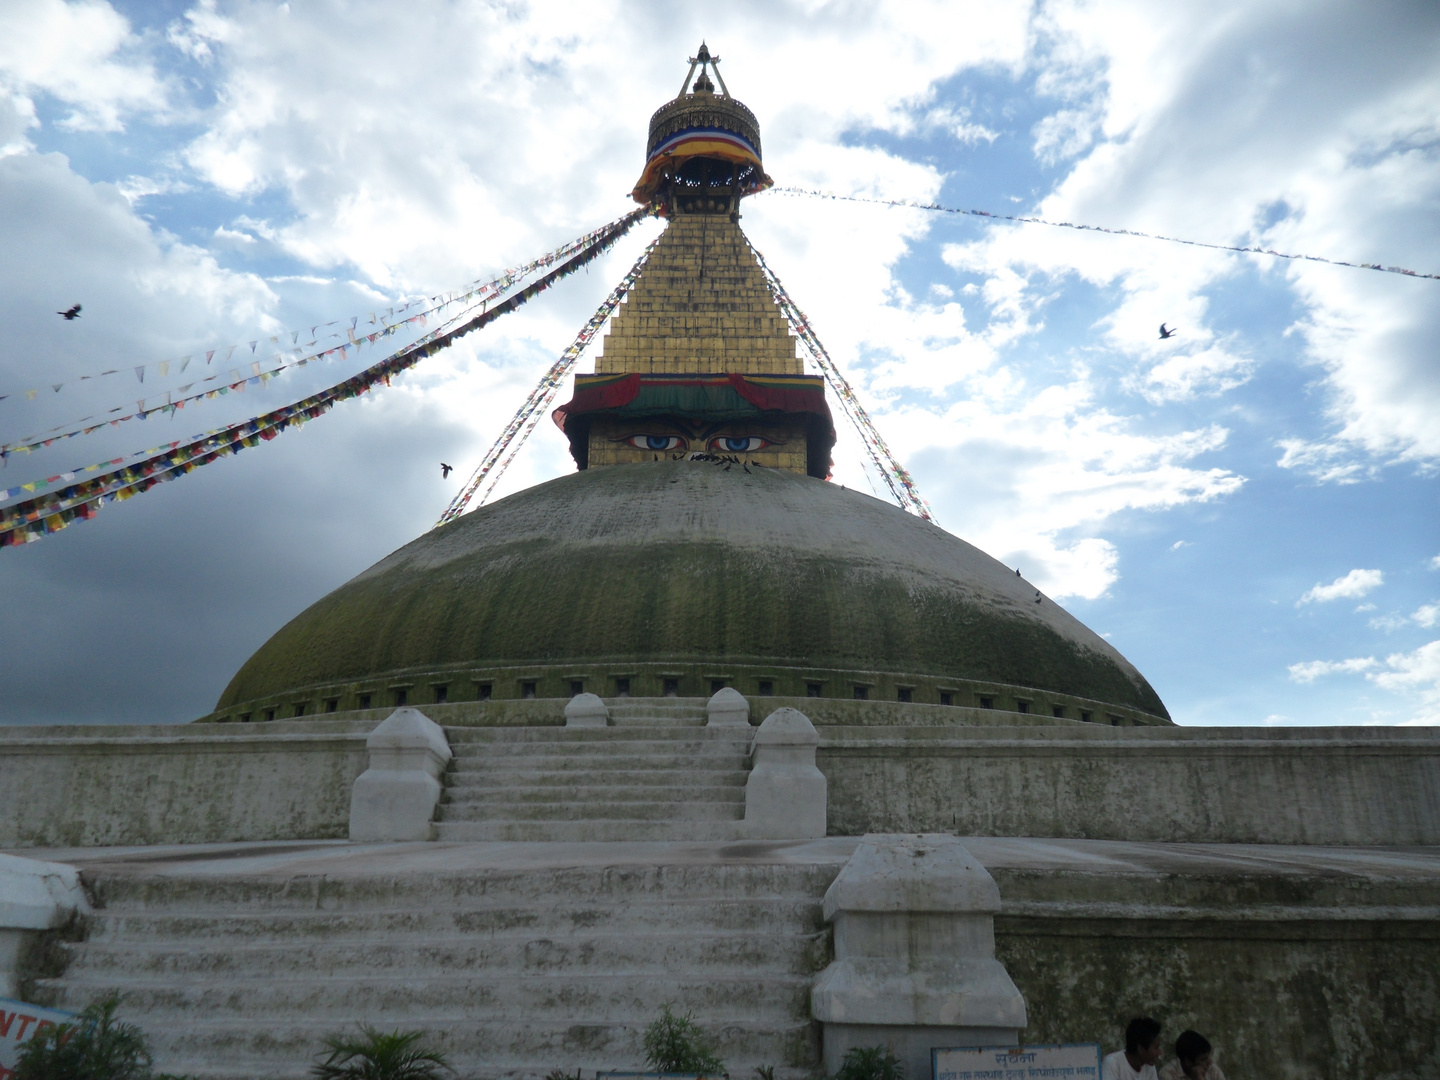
(693, 725)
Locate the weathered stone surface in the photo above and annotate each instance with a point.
(35, 897)
(727, 707)
(395, 798)
(915, 963)
(586, 710)
(1227, 785)
(785, 794)
(166, 784)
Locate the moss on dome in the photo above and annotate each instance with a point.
(691, 567)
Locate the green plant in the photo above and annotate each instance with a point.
(870, 1063)
(675, 1044)
(764, 1072)
(95, 1047)
(561, 1074)
(374, 1055)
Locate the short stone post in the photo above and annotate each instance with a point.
(785, 794)
(915, 963)
(395, 798)
(586, 710)
(727, 708)
(35, 897)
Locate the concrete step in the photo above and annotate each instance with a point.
(639, 917)
(596, 810)
(676, 887)
(755, 951)
(282, 1050)
(499, 779)
(559, 733)
(641, 751)
(472, 788)
(480, 995)
(586, 831)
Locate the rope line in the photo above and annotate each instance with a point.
(913, 205)
(539, 399)
(32, 519)
(897, 479)
(236, 380)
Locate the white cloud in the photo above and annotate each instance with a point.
(77, 52)
(1353, 585)
(1435, 563)
(1310, 670)
(1427, 615)
(1206, 373)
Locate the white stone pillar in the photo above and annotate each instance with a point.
(785, 793)
(395, 798)
(586, 710)
(727, 708)
(34, 897)
(915, 963)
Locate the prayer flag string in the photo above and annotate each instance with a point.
(235, 381)
(33, 518)
(533, 409)
(913, 205)
(897, 479)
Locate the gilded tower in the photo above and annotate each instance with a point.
(699, 359)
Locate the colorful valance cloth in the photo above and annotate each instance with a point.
(697, 142)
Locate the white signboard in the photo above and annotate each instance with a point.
(19, 1023)
(1075, 1061)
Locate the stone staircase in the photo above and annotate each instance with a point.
(512, 971)
(658, 774)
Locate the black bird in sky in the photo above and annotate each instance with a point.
(446, 470)
(70, 313)
(1166, 333)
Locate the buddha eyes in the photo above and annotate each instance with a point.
(720, 444)
(657, 442)
(730, 444)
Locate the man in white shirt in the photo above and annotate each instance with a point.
(1142, 1051)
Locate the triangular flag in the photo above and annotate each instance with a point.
(209, 355)
(164, 367)
(140, 372)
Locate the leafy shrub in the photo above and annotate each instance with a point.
(675, 1044)
(870, 1063)
(764, 1072)
(374, 1055)
(561, 1074)
(95, 1047)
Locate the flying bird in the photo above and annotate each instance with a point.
(70, 313)
(1166, 333)
(446, 470)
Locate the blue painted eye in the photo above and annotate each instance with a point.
(738, 445)
(657, 442)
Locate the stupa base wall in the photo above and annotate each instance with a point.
(291, 780)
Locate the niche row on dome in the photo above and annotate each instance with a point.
(496, 689)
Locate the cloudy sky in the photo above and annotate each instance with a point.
(1247, 510)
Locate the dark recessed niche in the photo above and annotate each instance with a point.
(527, 690)
(485, 691)
(861, 693)
(767, 688)
(812, 689)
(300, 709)
(245, 718)
(577, 687)
(670, 687)
(716, 685)
(904, 693)
(1058, 710)
(401, 697)
(622, 687)
(1086, 717)
(332, 704)
(1022, 706)
(364, 701)
(269, 714)
(442, 694)
(987, 703)
(947, 698)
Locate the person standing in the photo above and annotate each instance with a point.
(1194, 1059)
(1142, 1051)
